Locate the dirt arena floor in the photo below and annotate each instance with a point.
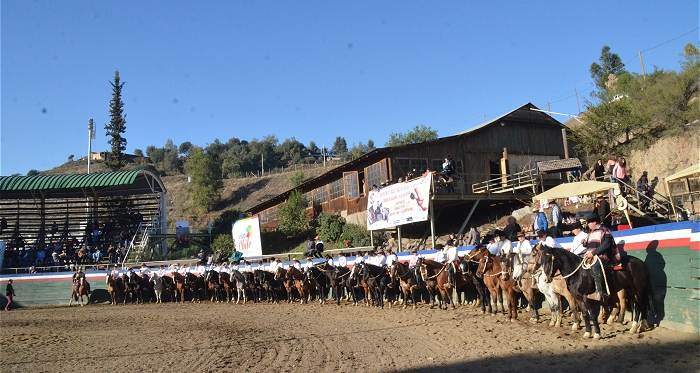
(313, 338)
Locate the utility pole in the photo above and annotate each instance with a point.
(549, 108)
(577, 103)
(641, 62)
(262, 164)
(91, 135)
(323, 153)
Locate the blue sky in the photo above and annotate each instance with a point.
(197, 71)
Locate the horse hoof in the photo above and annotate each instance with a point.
(574, 326)
(596, 336)
(557, 324)
(551, 323)
(586, 335)
(634, 328)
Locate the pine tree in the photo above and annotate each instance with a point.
(116, 126)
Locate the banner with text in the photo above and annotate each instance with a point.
(399, 204)
(246, 237)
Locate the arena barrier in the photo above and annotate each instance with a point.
(671, 251)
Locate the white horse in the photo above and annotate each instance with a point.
(241, 285)
(157, 282)
(552, 290)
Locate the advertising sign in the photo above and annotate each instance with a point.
(246, 237)
(398, 204)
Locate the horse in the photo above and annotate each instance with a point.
(408, 281)
(287, 281)
(80, 289)
(299, 284)
(196, 285)
(429, 279)
(115, 288)
(315, 276)
(132, 287)
(377, 279)
(158, 287)
(438, 272)
(525, 283)
(268, 283)
(552, 290)
(336, 280)
(353, 282)
(469, 265)
(170, 287)
(227, 285)
(180, 287)
(241, 283)
(491, 270)
(211, 280)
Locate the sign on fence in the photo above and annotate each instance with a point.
(246, 237)
(398, 204)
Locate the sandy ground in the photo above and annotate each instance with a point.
(313, 338)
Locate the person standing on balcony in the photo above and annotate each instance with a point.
(620, 174)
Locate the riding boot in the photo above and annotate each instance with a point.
(597, 273)
(451, 276)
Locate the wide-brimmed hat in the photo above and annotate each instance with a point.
(439, 246)
(541, 233)
(317, 238)
(592, 217)
(535, 209)
(521, 234)
(600, 195)
(576, 225)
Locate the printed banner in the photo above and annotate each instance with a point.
(246, 237)
(182, 228)
(398, 204)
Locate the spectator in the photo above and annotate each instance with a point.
(556, 219)
(643, 190)
(440, 255)
(97, 255)
(547, 240)
(40, 256)
(511, 229)
(309, 247)
(612, 162)
(9, 294)
(472, 236)
(599, 170)
(539, 221)
(620, 174)
(603, 208)
(580, 237)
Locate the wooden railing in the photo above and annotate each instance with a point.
(507, 183)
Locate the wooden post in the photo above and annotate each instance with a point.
(504, 169)
(398, 232)
(577, 103)
(641, 62)
(432, 222)
(566, 144)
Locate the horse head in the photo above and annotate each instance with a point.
(533, 262)
(548, 262)
(483, 265)
(280, 273)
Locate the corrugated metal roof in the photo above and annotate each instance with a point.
(558, 165)
(50, 182)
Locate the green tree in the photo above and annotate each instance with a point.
(691, 55)
(70, 158)
(205, 186)
(116, 127)
(313, 148)
(340, 146)
(296, 179)
(291, 215)
(223, 242)
(184, 148)
(370, 145)
(330, 226)
(610, 65)
(359, 236)
(32, 172)
(138, 152)
(417, 135)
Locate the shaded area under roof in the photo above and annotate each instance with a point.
(103, 184)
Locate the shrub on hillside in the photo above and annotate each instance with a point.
(330, 226)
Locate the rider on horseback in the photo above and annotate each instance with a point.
(79, 274)
(452, 261)
(600, 242)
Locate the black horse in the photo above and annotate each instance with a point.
(377, 279)
(314, 274)
(169, 287)
(268, 284)
(469, 265)
(336, 280)
(213, 285)
(196, 285)
(132, 287)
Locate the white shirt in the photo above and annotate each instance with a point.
(144, 271)
(524, 247)
(391, 259)
(185, 270)
(359, 259)
(440, 256)
(248, 268)
(342, 261)
(308, 265)
(506, 246)
(234, 267)
(551, 242)
(494, 248)
(579, 248)
(381, 260)
(451, 253)
(297, 265)
(273, 267)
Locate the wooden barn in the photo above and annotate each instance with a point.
(496, 160)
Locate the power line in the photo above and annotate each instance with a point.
(677, 37)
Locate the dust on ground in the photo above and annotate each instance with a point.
(320, 338)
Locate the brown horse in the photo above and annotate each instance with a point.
(179, 286)
(407, 281)
(287, 281)
(429, 279)
(114, 288)
(227, 285)
(438, 272)
(80, 289)
(298, 277)
(496, 279)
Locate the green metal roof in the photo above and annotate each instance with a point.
(113, 183)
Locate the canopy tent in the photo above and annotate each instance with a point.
(691, 172)
(684, 173)
(575, 189)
